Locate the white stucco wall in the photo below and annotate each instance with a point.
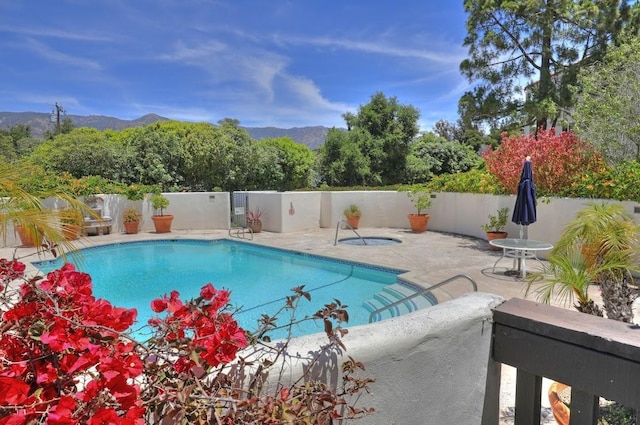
(287, 211)
(379, 208)
(197, 210)
(460, 213)
(430, 366)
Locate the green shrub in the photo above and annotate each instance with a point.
(474, 181)
(619, 183)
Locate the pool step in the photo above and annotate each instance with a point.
(393, 293)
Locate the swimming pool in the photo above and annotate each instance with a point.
(132, 274)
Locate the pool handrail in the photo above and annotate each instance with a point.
(422, 292)
(335, 241)
(240, 230)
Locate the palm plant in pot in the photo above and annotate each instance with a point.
(352, 214)
(161, 221)
(495, 227)
(22, 211)
(422, 201)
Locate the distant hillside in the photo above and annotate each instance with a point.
(40, 122)
(313, 137)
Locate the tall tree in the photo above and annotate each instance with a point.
(154, 156)
(607, 112)
(538, 43)
(432, 154)
(294, 159)
(452, 132)
(392, 126)
(82, 152)
(16, 142)
(343, 161)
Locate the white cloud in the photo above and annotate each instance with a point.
(57, 33)
(380, 47)
(52, 55)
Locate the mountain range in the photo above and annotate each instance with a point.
(40, 122)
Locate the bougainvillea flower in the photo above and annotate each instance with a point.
(14, 391)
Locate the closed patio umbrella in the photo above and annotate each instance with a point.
(524, 211)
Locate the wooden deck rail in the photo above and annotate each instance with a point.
(595, 356)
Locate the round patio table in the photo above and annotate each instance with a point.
(519, 250)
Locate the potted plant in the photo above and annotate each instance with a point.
(24, 224)
(131, 220)
(162, 222)
(422, 201)
(495, 227)
(135, 193)
(253, 220)
(29, 236)
(72, 220)
(352, 214)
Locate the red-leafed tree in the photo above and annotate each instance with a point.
(557, 160)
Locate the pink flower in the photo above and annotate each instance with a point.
(208, 292)
(159, 305)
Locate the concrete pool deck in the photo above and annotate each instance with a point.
(429, 257)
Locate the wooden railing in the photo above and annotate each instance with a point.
(597, 357)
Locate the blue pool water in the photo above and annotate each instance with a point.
(132, 274)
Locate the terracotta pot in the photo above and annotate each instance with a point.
(418, 222)
(71, 232)
(255, 225)
(26, 239)
(162, 223)
(496, 235)
(353, 221)
(131, 227)
(561, 412)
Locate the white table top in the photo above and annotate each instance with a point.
(521, 244)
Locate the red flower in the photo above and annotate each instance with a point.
(208, 292)
(19, 418)
(62, 412)
(89, 393)
(104, 417)
(284, 393)
(13, 391)
(159, 305)
(11, 269)
(222, 299)
(48, 375)
(174, 302)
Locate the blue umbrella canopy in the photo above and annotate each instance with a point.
(524, 212)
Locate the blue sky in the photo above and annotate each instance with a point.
(278, 63)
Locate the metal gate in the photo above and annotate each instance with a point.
(239, 207)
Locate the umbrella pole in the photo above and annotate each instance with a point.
(524, 234)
